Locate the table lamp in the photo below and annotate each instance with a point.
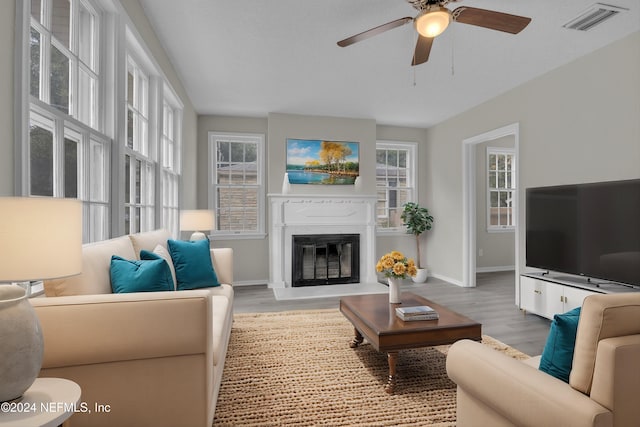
(40, 238)
(197, 220)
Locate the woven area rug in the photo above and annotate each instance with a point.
(296, 368)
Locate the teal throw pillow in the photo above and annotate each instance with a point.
(557, 355)
(139, 275)
(192, 262)
(150, 256)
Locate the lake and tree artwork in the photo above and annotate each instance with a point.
(313, 161)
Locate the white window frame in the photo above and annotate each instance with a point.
(259, 140)
(144, 151)
(76, 64)
(36, 109)
(98, 191)
(514, 214)
(87, 181)
(103, 138)
(412, 181)
(171, 162)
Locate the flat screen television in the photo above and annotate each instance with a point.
(591, 230)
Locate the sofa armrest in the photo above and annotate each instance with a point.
(87, 329)
(517, 392)
(222, 259)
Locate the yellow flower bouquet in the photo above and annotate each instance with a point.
(396, 265)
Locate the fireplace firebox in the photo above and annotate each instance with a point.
(325, 259)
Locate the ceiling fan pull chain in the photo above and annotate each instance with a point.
(453, 65)
(414, 38)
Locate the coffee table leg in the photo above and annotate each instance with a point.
(357, 340)
(392, 357)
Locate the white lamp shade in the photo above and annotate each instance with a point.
(40, 238)
(197, 220)
(433, 21)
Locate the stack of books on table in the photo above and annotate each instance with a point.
(419, 312)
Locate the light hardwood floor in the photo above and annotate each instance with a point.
(491, 303)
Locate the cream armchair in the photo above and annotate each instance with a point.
(604, 384)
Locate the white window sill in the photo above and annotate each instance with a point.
(390, 232)
(501, 230)
(237, 236)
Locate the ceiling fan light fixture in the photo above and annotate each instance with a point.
(432, 21)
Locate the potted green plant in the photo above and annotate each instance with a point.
(417, 220)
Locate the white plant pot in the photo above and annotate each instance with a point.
(21, 343)
(421, 275)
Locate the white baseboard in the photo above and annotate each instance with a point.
(251, 282)
(325, 291)
(446, 279)
(495, 269)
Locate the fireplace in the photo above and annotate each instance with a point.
(321, 215)
(325, 259)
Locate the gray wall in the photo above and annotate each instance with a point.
(498, 248)
(406, 243)
(283, 126)
(578, 123)
(575, 126)
(278, 127)
(251, 256)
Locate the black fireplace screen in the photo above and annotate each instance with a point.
(325, 259)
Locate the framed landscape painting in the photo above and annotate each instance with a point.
(314, 161)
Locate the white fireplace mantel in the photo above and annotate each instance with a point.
(296, 214)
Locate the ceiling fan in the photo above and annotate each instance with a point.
(434, 18)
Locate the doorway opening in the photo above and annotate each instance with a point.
(469, 190)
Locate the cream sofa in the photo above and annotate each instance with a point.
(604, 384)
(149, 358)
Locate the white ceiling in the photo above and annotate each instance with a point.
(253, 57)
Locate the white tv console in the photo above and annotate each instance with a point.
(548, 294)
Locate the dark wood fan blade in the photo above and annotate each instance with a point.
(374, 31)
(423, 48)
(490, 19)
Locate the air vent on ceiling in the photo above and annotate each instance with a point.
(596, 14)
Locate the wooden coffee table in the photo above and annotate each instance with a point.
(375, 319)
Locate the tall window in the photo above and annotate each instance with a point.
(170, 169)
(64, 57)
(140, 154)
(67, 152)
(395, 181)
(501, 189)
(78, 119)
(236, 190)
